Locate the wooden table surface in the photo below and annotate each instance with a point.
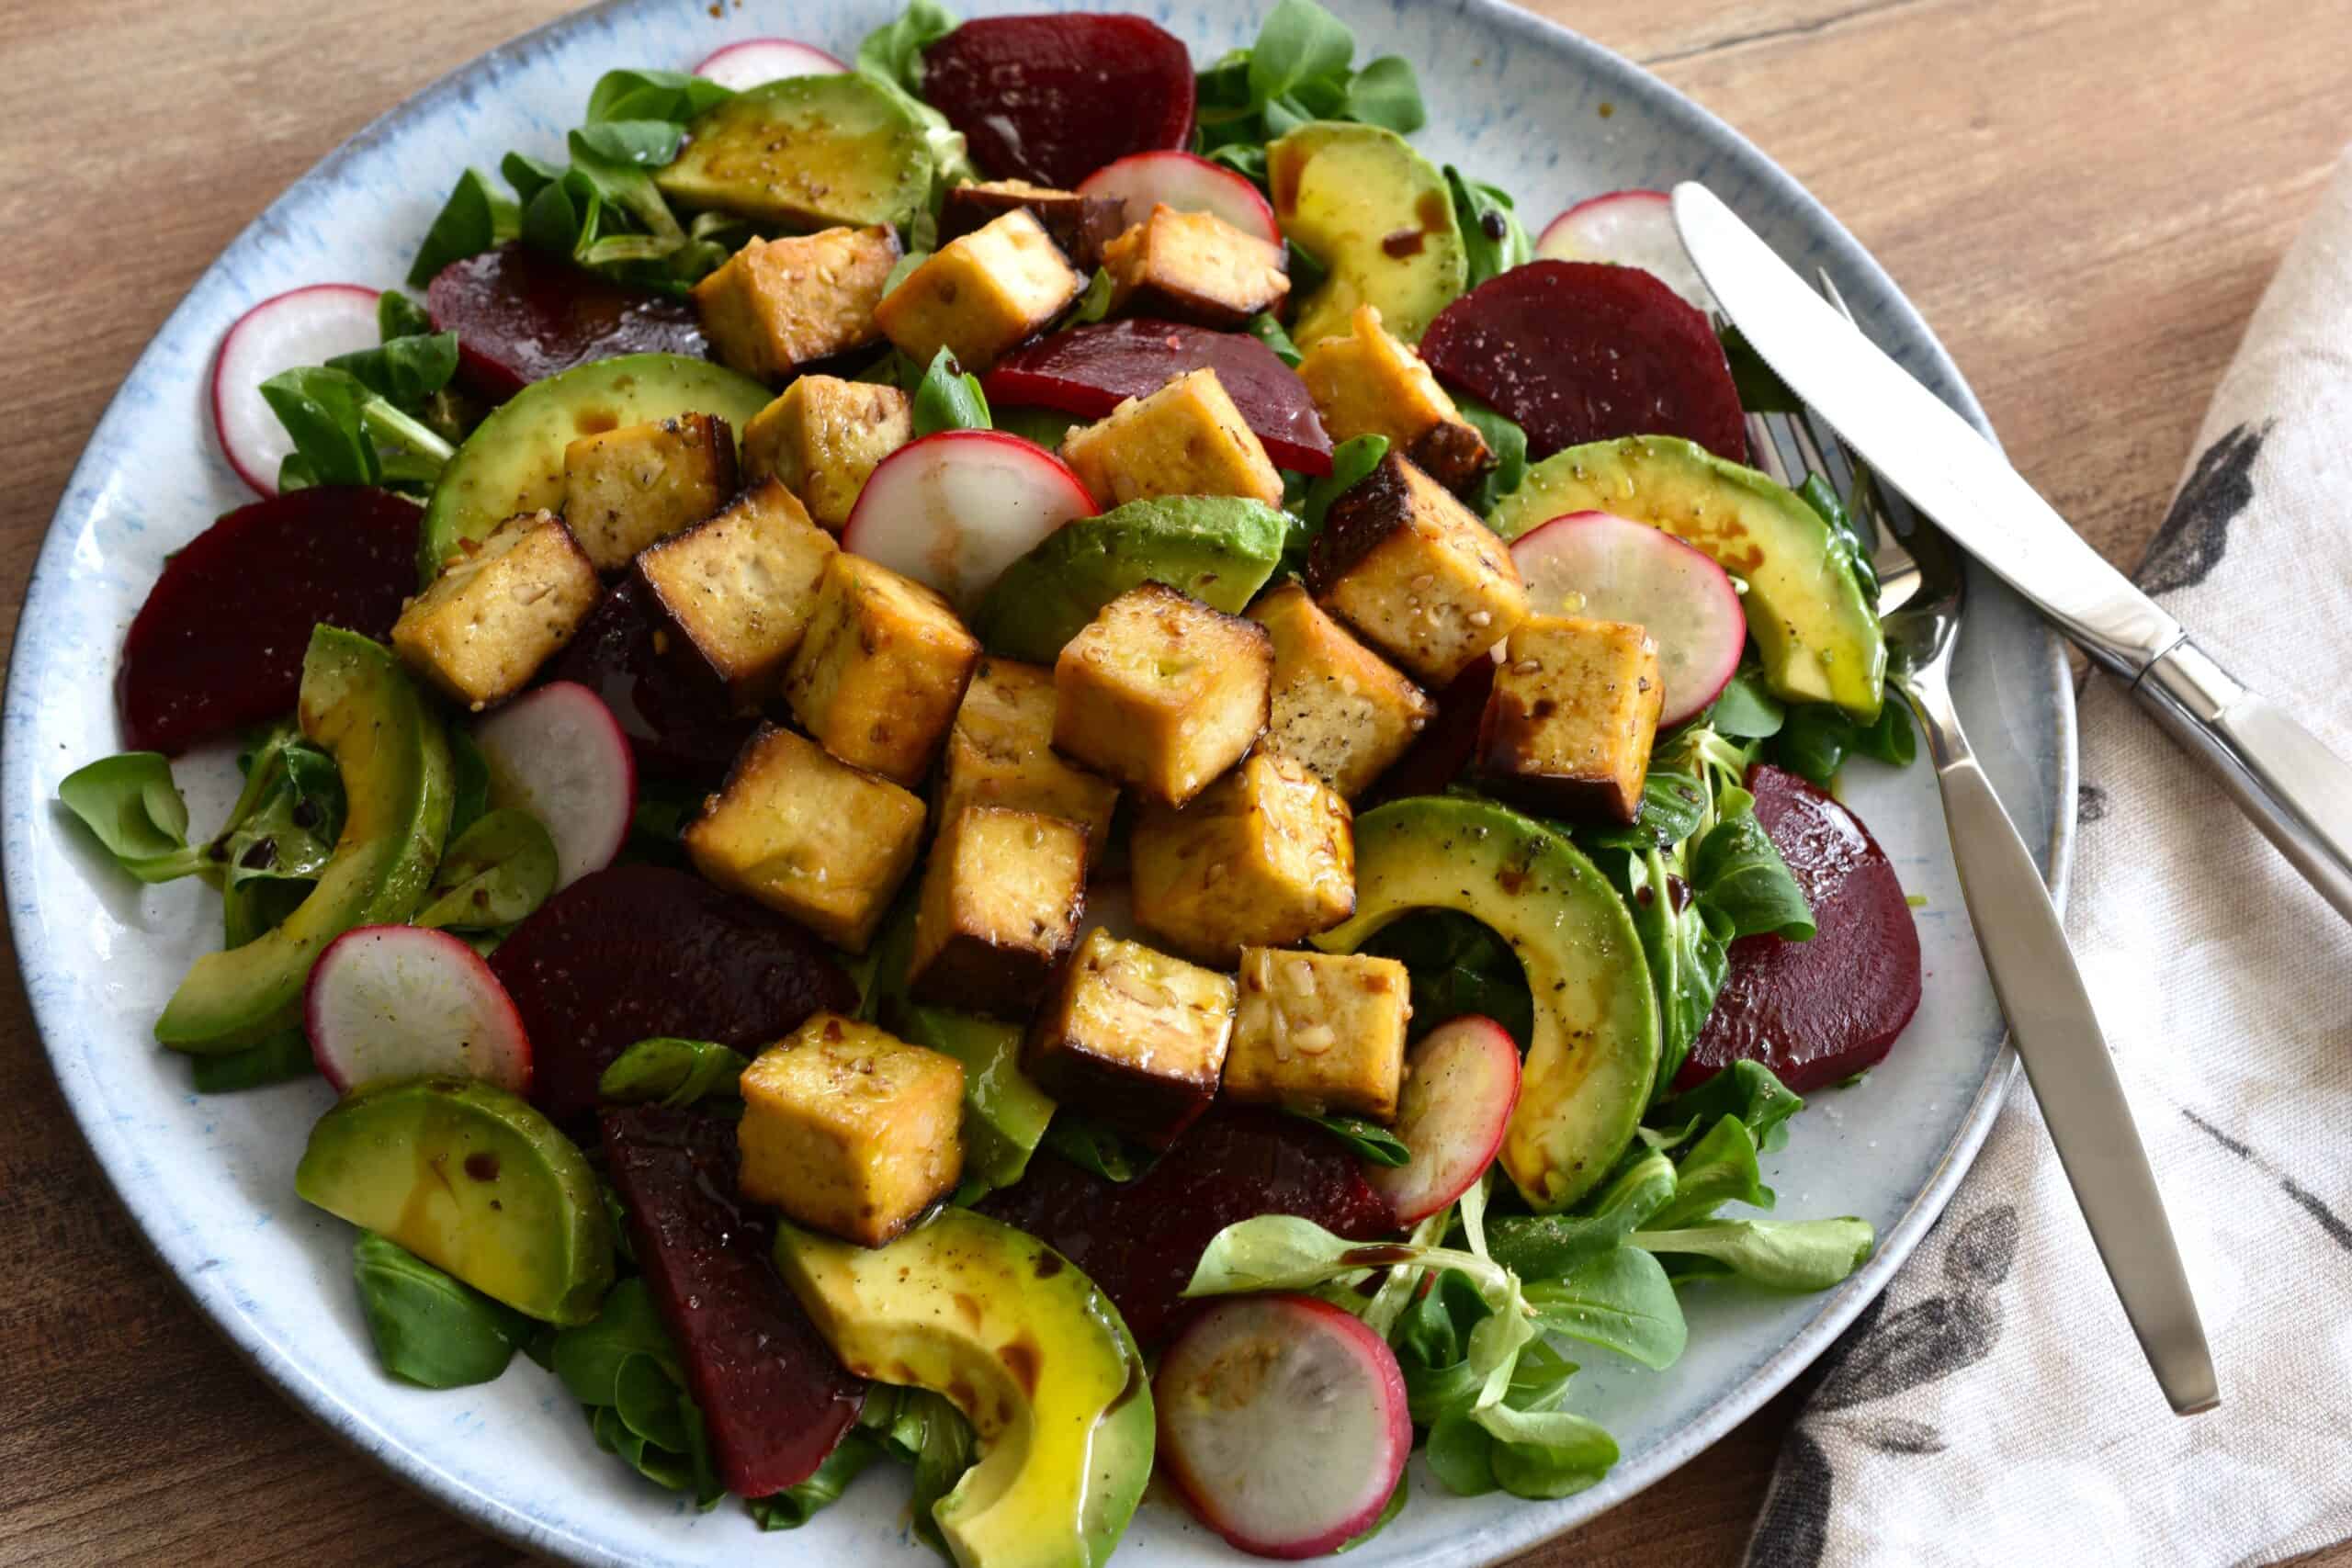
(2085, 197)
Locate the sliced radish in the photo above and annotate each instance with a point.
(954, 510)
(1187, 183)
(305, 326)
(1461, 1083)
(402, 1001)
(559, 754)
(1283, 1422)
(758, 59)
(1612, 568)
(1632, 228)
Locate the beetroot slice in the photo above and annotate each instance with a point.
(1821, 1010)
(1051, 99)
(676, 713)
(1089, 371)
(631, 951)
(774, 1398)
(1584, 351)
(1139, 1242)
(522, 315)
(1443, 750)
(218, 643)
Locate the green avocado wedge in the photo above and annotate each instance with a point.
(513, 460)
(1027, 1347)
(1819, 637)
(1594, 1048)
(1378, 216)
(360, 706)
(806, 153)
(473, 1181)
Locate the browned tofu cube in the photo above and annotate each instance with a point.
(1079, 225)
(1337, 706)
(1369, 383)
(742, 587)
(822, 437)
(1263, 857)
(1196, 267)
(808, 836)
(1000, 752)
(1567, 728)
(881, 670)
(499, 609)
(1162, 692)
(626, 487)
(1132, 1037)
(1320, 1033)
(1415, 572)
(779, 304)
(980, 295)
(1187, 438)
(1002, 898)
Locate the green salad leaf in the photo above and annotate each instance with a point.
(1507, 440)
(949, 398)
(1744, 887)
(476, 217)
(1781, 1255)
(135, 811)
(1370, 1142)
(1493, 239)
(671, 1072)
(1745, 709)
(625, 1372)
(1816, 739)
(1092, 1146)
(1268, 328)
(495, 873)
(1746, 1090)
(428, 1327)
(1457, 966)
(282, 1057)
(1299, 69)
(857, 1453)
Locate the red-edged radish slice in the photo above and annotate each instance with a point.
(758, 59)
(401, 1001)
(1632, 228)
(559, 754)
(1283, 1422)
(954, 510)
(1460, 1084)
(1612, 568)
(304, 326)
(1187, 183)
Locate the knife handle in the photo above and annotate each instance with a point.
(2296, 790)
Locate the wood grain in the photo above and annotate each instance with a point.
(2085, 197)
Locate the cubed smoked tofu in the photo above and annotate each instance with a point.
(778, 304)
(808, 836)
(1000, 752)
(1337, 706)
(1162, 692)
(1415, 572)
(1001, 897)
(499, 609)
(1265, 856)
(742, 587)
(1369, 383)
(627, 488)
(1193, 266)
(1079, 225)
(980, 295)
(823, 437)
(1132, 1037)
(1568, 726)
(883, 666)
(849, 1129)
(1187, 438)
(1319, 1032)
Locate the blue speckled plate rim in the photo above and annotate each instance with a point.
(1517, 1526)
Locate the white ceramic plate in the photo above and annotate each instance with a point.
(1513, 100)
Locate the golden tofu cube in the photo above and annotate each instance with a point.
(1002, 898)
(1162, 692)
(1320, 1033)
(499, 609)
(627, 488)
(1000, 752)
(778, 304)
(1567, 728)
(1196, 267)
(1187, 438)
(981, 293)
(881, 670)
(808, 836)
(1370, 383)
(1132, 1037)
(1263, 857)
(740, 588)
(1079, 225)
(1337, 706)
(823, 437)
(850, 1130)
(1415, 572)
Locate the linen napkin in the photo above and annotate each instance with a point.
(1993, 1407)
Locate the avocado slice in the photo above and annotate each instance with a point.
(1594, 1048)
(1218, 549)
(806, 151)
(388, 743)
(1379, 217)
(472, 1180)
(1819, 635)
(513, 460)
(1027, 1347)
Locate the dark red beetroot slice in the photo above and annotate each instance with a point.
(218, 643)
(636, 951)
(774, 1396)
(1054, 99)
(1140, 1242)
(1092, 370)
(1584, 351)
(676, 715)
(1443, 750)
(1821, 1010)
(522, 315)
